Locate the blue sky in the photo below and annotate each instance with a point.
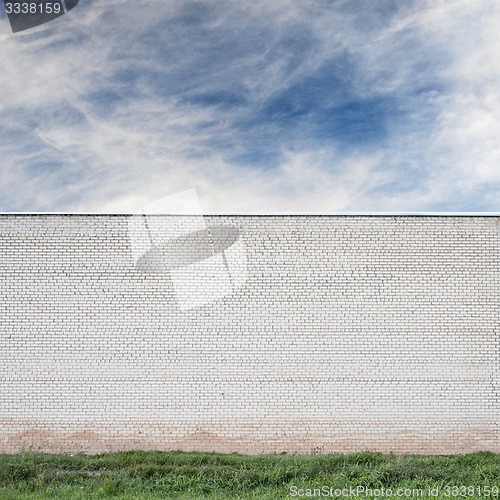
(287, 106)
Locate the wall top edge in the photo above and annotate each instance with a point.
(267, 214)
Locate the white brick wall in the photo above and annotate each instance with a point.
(349, 333)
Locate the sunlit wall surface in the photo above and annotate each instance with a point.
(298, 333)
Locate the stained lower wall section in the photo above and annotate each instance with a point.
(348, 333)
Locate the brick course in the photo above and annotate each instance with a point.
(350, 333)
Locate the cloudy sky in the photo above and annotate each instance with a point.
(261, 106)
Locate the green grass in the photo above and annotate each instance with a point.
(155, 475)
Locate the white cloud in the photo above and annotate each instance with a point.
(436, 59)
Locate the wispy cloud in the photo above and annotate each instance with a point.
(261, 106)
